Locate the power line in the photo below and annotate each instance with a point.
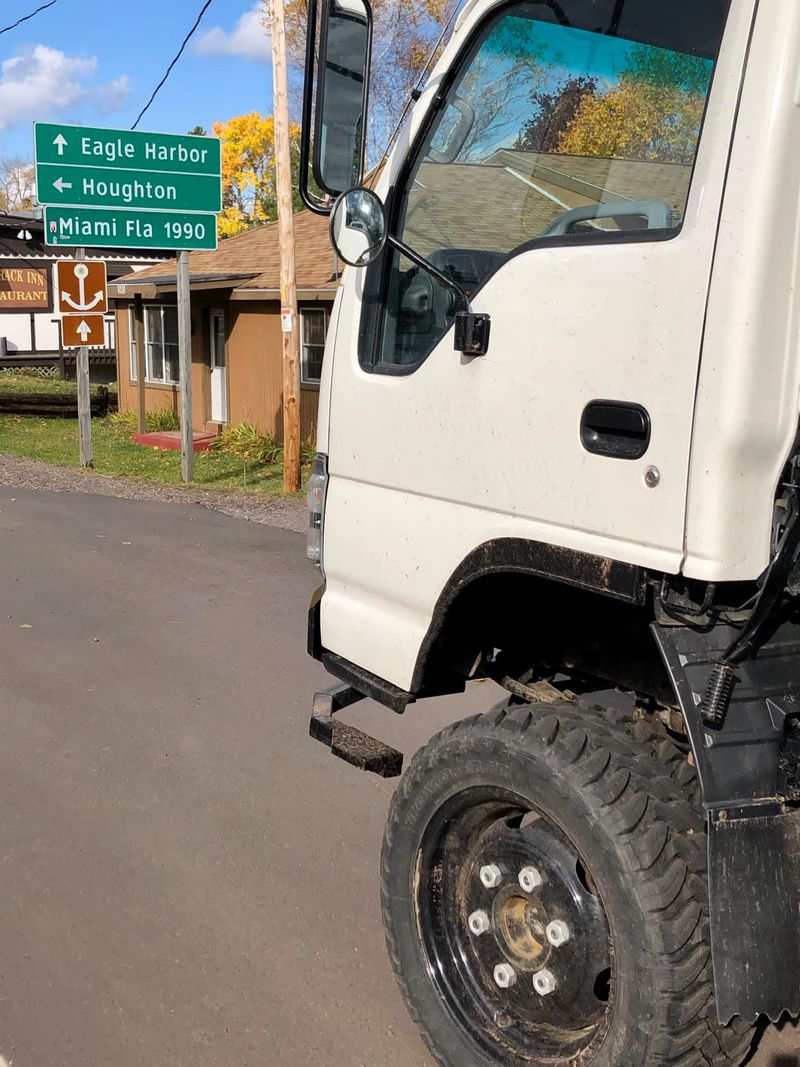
(25, 18)
(181, 50)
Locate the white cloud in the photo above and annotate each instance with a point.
(42, 81)
(110, 98)
(248, 39)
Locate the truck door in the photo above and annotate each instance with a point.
(568, 173)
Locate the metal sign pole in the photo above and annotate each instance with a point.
(84, 395)
(185, 351)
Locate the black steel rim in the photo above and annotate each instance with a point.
(484, 828)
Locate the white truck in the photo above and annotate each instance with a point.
(559, 448)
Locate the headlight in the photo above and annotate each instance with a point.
(317, 491)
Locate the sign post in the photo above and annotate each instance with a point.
(82, 301)
(129, 189)
(84, 389)
(185, 357)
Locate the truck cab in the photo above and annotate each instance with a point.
(558, 448)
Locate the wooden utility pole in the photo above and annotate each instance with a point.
(289, 318)
(185, 353)
(84, 394)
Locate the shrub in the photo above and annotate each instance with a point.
(126, 420)
(250, 445)
(155, 421)
(158, 421)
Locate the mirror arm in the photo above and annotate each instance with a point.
(423, 263)
(471, 329)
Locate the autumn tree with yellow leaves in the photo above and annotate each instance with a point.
(405, 32)
(654, 113)
(248, 171)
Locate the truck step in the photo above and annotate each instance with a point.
(347, 742)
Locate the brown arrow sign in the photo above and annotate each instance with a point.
(81, 331)
(82, 288)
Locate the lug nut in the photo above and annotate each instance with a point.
(505, 975)
(479, 923)
(530, 879)
(544, 983)
(557, 933)
(491, 876)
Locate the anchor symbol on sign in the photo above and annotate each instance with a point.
(81, 273)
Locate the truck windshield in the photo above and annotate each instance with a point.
(575, 120)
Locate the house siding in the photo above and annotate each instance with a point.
(254, 364)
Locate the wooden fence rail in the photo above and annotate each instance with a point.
(54, 405)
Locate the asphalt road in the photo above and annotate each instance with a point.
(185, 878)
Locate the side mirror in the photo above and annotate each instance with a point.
(358, 227)
(359, 233)
(454, 131)
(336, 97)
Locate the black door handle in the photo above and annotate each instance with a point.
(616, 429)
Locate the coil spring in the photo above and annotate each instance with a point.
(718, 693)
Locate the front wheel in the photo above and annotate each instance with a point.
(545, 899)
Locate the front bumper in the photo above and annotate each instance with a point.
(369, 685)
(347, 742)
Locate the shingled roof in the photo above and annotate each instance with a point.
(250, 263)
(514, 196)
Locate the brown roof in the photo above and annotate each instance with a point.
(514, 196)
(252, 260)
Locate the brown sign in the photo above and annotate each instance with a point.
(23, 289)
(82, 288)
(81, 331)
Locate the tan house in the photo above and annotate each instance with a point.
(236, 329)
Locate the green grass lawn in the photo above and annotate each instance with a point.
(56, 441)
(11, 382)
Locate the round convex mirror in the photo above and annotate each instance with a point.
(358, 227)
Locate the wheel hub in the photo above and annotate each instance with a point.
(519, 924)
(507, 889)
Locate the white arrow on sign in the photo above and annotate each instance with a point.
(61, 185)
(61, 143)
(84, 332)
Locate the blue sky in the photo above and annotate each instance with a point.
(96, 63)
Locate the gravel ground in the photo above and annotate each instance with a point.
(24, 473)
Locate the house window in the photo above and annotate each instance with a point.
(134, 352)
(162, 365)
(313, 326)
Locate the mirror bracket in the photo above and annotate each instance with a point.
(360, 212)
(471, 329)
(472, 333)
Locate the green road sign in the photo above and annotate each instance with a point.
(96, 187)
(83, 146)
(123, 228)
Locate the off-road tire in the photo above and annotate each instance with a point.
(627, 797)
